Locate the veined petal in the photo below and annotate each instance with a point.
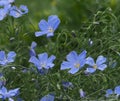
(3, 90)
(43, 57)
(15, 12)
(82, 55)
(13, 92)
(48, 97)
(73, 70)
(90, 70)
(50, 34)
(10, 56)
(72, 56)
(43, 25)
(10, 99)
(82, 62)
(100, 60)
(108, 92)
(33, 45)
(50, 61)
(23, 9)
(2, 55)
(34, 60)
(37, 34)
(32, 52)
(3, 14)
(117, 90)
(90, 61)
(51, 58)
(53, 21)
(65, 65)
(102, 67)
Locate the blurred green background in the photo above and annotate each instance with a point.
(71, 12)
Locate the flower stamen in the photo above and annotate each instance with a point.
(77, 65)
(95, 66)
(50, 29)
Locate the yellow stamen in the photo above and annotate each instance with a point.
(95, 66)
(50, 29)
(43, 65)
(77, 65)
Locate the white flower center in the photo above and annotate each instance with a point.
(77, 65)
(95, 66)
(50, 29)
(43, 65)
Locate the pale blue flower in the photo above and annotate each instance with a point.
(82, 93)
(49, 27)
(100, 64)
(23, 9)
(49, 97)
(66, 84)
(3, 13)
(109, 92)
(117, 90)
(4, 94)
(18, 12)
(32, 51)
(74, 62)
(15, 12)
(43, 61)
(4, 60)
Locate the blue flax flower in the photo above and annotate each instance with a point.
(4, 60)
(82, 93)
(18, 12)
(42, 61)
(4, 94)
(100, 64)
(49, 97)
(49, 27)
(3, 13)
(5, 2)
(117, 90)
(32, 51)
(66, 84)
(74, 62)
(110, 91)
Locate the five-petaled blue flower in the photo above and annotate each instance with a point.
(4, 94)
(100, 64)
(18, 12)
(49, 27)
(42, 61)
(32, 51)
(74, 62)
(110, 91)
(4, 60)
(49, 97)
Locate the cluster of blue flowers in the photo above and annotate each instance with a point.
(5, 60)
(74, 62)
(7, 7)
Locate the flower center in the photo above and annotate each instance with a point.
(43, 65)
(50, 29)
(77, 65)
(95, 66)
